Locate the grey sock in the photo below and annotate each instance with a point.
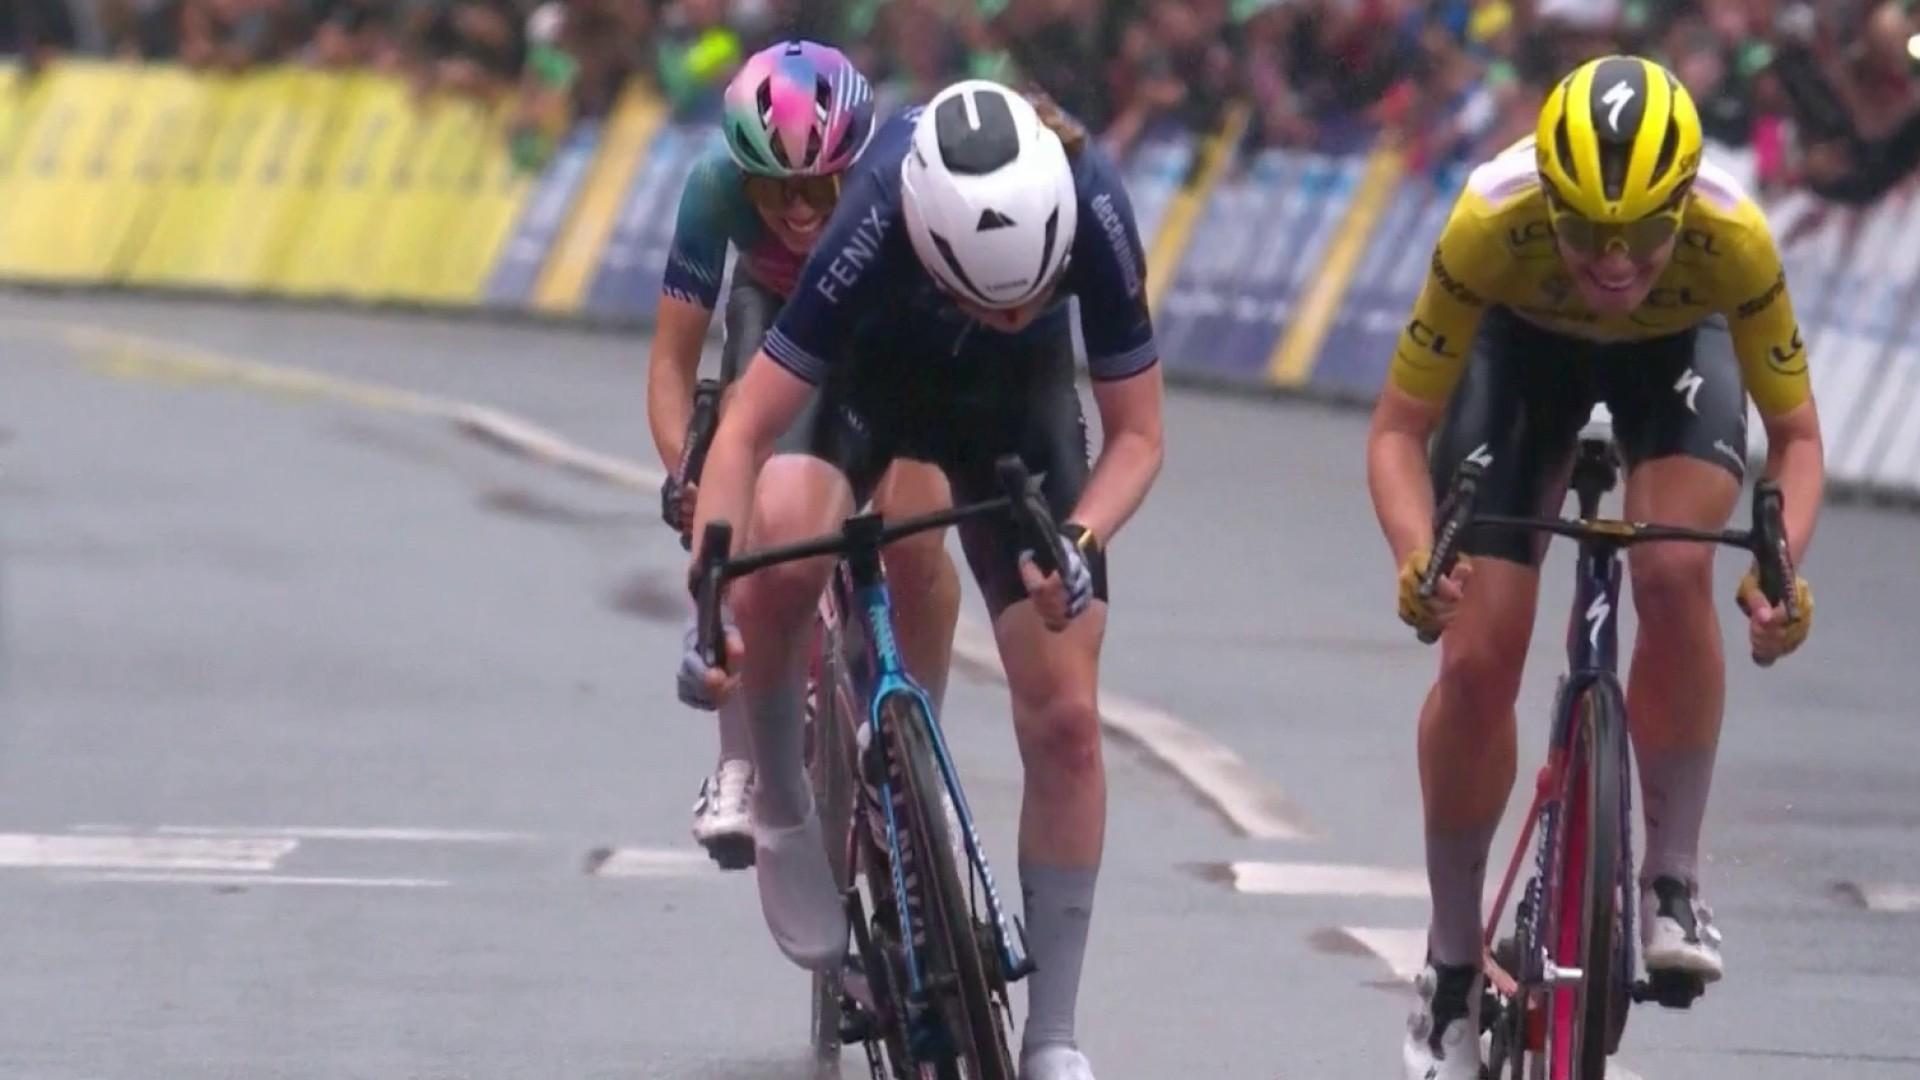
(782, 796)
(1059, 908)
(735, 743)
(1674, 788)
(1456, 874)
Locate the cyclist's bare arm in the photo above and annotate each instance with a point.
(1132, 447)
(1796, 460)
(1397, 469)
(678, 336)
(766, 399)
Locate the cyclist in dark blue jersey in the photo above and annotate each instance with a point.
(930, 323)
(797, 116)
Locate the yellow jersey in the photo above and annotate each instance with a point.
(1498, 249)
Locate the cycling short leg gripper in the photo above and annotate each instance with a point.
(1059, 911)
(1456, 875)
(1674, 787)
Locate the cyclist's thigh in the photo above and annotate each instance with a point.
(912, 487)
(751, 309)
(1680, 396)
(1519, 408)
(835, 428)
(1042, 422)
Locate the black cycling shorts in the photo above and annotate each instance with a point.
(751, 309)
(995, 396)
(1527, 393)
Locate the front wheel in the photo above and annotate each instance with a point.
(830, 764)
(955, 957)
(1588, 894)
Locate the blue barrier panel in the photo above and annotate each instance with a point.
(526, 250)
(1154, 173)
(1258, 238)
(627, 285)
(1354, 359)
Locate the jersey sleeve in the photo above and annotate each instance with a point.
(1431, 354)
(698, 258)
(1110, 265)
(1766, 335)
(840, 281)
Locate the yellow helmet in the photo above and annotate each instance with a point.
(1618, 140)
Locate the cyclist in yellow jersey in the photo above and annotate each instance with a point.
(1600, 261)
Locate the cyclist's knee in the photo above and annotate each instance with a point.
(919, 569)
(1671, 583)
(1061, 735)
(1480, 667)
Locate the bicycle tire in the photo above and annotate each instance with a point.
(830, 767)
(1587, 891)
(954, 952)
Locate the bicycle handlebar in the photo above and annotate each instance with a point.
(701, 424)
(1766, 540)
(1020, 497)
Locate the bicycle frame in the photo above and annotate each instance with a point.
(878, 672)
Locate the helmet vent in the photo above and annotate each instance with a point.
(953, 267)
(1046, 247)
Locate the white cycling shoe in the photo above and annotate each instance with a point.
(1443, 1033)
(1677, 934)
(1055, 1063)
(723, 815)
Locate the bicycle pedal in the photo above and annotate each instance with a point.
(857, 1024)
(1670, 989)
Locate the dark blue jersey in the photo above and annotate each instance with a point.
(864, 279)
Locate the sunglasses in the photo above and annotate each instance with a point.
(773, 193)
(1638, 239)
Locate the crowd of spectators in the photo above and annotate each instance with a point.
(1820, 92)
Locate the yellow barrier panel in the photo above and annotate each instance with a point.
(62, 169)
(176, 225)
(418, 236)
(257, 183)
(1183, 212)
(169, 129)
(332, 250)
(16, 100)
(1293, 356)
(492, 194)
(570, 267)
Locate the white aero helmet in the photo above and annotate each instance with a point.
(988, 195)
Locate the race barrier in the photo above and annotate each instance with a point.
(1271, 270)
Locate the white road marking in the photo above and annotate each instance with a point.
(1211, 769)
(1886, 898)
(26, 851)
(161, 878)
(651, 863)
(1325, 879)
(390, 834)
(1403, 951)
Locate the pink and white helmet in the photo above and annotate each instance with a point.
(797, 108)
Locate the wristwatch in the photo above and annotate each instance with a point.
(1081, 537)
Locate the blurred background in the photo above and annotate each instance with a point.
(1819, 94)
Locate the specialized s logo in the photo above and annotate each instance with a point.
(1690, 383)
(1617, 96)
(1791, 358)
(1765, 300)
(1116, 231)
(1597, 613)
(1453, 285)
(1430, 339)
(853, 258)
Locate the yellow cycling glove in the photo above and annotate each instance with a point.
(1748, 595)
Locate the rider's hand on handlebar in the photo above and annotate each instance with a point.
(1059, 598)
(676, 503)
(1772, 635)
(1432, 614)
(701, 686)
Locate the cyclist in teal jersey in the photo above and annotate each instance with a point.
(797, 115)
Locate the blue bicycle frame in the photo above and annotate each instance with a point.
(876, 673)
